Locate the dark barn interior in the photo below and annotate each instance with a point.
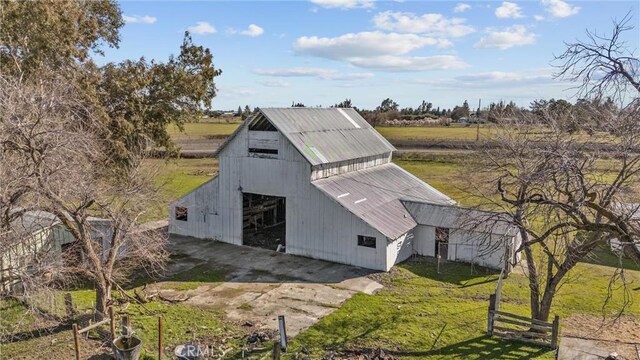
(263, 221)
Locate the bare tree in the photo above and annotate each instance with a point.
(565, 195)
(66, 172)
(604, 64)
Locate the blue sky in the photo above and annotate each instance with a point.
(320, 52)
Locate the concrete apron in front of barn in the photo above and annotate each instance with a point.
(261, 284)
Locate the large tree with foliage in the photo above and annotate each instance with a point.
(133, 99)
(80, 145)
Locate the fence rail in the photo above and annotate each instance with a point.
(522, 328)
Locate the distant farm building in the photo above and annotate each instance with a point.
(38, 237)
(320, 183)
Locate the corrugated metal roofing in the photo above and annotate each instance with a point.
(375, 195)
(458, 217)
(34, 221)
(325, 135)
(328, 135)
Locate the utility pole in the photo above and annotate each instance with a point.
(478, 120)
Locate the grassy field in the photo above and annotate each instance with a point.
(203, 130)
(466, 133)
(176, 178)
(422, 314)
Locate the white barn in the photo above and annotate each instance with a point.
(320, 183)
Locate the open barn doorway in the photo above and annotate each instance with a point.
(264, 221)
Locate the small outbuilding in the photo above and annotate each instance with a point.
(319, 182)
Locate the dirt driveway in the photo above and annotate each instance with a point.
(261, 284)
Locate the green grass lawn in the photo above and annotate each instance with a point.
(182, 322)
(177, 177)
(422, 314)
(202, 130)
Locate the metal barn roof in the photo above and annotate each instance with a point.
(323, 135)
(457, 217)
(34, 221)
(375, 195)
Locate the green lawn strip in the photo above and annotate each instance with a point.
(202, 130)
(182, 323)
(417, 304)
(194, 278)
(176, 178)
(419, 314)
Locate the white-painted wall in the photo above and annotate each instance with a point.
(203, 220)
(467, 246)
(400, 249)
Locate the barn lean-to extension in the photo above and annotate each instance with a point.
(320, 183)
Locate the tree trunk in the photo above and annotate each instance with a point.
(103, 297)
(534, 287)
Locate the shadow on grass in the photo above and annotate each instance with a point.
(483, 347)
(603, 255)
(457, 273)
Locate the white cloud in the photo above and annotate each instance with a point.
(133, 19)
(538, 17)
(364, 44)
(380, 51)
(202, 27)
(509, 37)
(410, 63)
(428, 24)
(344, 4)
(320, 73)
(559, 8)
(275, 83)
(509, 10)
(495, 79)
(253, 30)
(461, 7)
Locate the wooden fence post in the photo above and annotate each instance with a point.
(76, 340)
(112, 324)
(555, 331)
(68, 306)
(160, 345)
(492, 308)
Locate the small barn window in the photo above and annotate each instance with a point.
(263, 151)
(182, 213)
(367, 241)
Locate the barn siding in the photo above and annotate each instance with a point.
(400, 249)
(316, 225)
(466, 246)
(425, 240)
(203, 220)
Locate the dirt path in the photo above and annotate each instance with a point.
(262, 284)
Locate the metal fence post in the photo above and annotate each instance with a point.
(283, 333)
(160, 335)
